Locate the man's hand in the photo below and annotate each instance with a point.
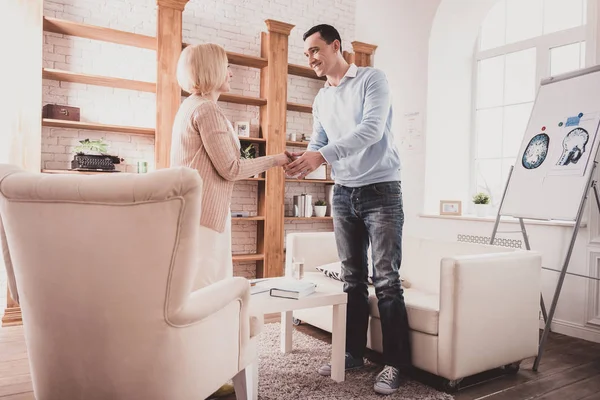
(305, 163)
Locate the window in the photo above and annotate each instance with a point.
(567, 58)
(520, 43)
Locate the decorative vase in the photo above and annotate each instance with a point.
(320, 211)
(481, 210)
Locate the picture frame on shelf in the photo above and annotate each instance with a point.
(242, 128)
(450, 207)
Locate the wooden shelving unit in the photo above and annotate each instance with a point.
(92, 126)
(274, 70)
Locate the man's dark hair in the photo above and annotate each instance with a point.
(328, 33)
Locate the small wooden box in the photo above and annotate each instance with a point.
(55, 111)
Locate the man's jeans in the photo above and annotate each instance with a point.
(374, 214)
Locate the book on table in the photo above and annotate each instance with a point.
(292, 289)
(282, 286)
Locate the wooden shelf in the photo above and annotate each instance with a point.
(248, 257)
(297, 144)
(97, 80)
(308, 219)
(237, 99)
(58, 123)
(68, 171)
(242, 59)
(246, 60)
(77, 29)
(306, 72)
(252, 139)
(304, 108)
(258, 218)
(326, 181)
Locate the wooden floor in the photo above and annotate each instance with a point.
(570, 369)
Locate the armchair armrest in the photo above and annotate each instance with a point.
(313, 248)
(489, 307)
(210, 299)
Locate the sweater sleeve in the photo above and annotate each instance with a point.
(223, 153)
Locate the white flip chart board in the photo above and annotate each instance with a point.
(558, 150)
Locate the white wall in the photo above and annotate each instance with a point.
(400, 29)
(424, 48)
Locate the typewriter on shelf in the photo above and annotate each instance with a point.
(93, 162)
(91, 155)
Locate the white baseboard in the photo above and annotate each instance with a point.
(574, 330)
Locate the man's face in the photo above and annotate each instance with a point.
(320, 55)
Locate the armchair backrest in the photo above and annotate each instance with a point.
(122, 248)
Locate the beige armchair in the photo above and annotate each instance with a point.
(103, 266)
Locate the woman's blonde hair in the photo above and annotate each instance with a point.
(202, 68)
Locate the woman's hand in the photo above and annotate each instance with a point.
(283, 159)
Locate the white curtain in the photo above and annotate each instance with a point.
(21, 41)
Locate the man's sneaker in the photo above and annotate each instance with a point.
(350, 363)
(388, 380)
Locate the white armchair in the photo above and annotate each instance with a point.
(102, 267)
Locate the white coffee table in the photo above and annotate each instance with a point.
(262, 304)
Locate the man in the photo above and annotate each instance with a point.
(352, 117)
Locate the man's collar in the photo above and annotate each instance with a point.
(351, 73)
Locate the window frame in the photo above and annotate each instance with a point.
(543, 45)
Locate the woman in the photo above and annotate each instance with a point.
(204, 139)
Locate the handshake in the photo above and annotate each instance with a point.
(299, 164)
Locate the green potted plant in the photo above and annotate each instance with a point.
(248, 151)
(482, 204)
(320, 208)
(91, 147)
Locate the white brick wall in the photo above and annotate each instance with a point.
(235, 24)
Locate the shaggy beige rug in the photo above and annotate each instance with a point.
(294, 375)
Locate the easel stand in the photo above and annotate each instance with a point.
(548, 316)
